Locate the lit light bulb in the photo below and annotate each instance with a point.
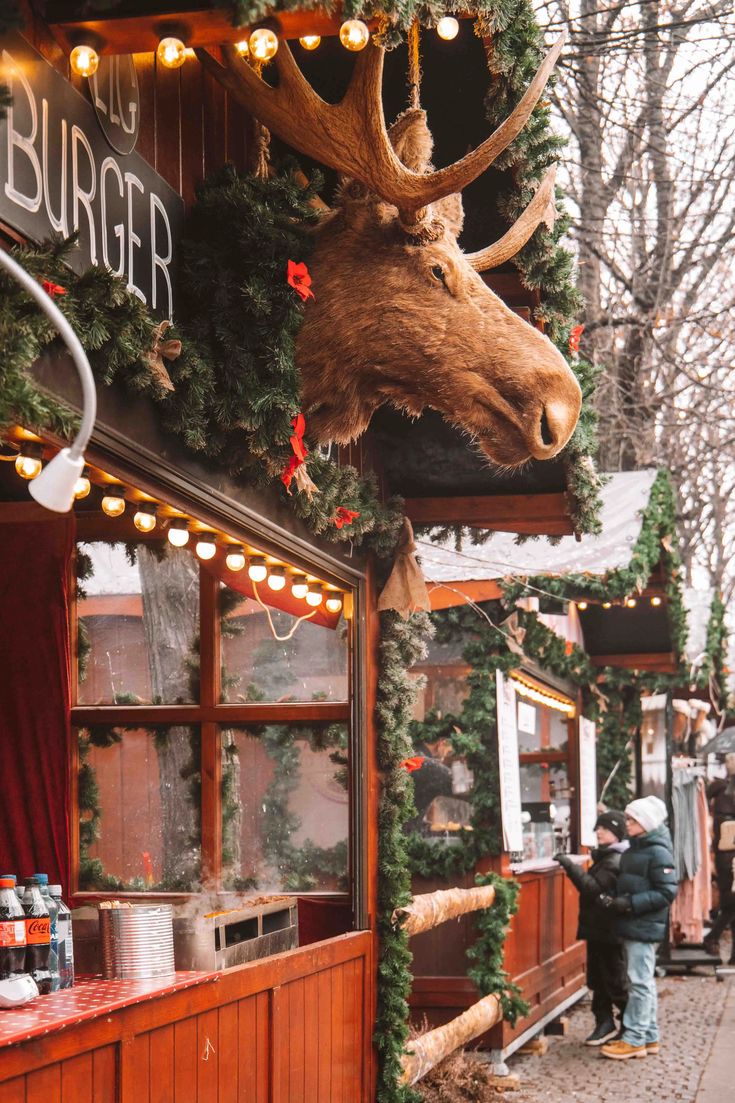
(29, 461)
(257, 569)
(171, 52)
(447, 28)
(263, 44)
(607, 605)
(242, 48)
(631, 602)
(113, 503)
(582, 605)
(206, 545)
(82, 486)
(276, 578)
(354, 35)
(178, 532)
(144, 517)
(314, 596)
(84, 61)
(656, 600)
(310, 41)
(235, 558)
(299, 586)
(333, 604)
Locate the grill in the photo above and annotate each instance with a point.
(221, 939)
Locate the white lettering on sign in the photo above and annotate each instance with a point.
(58, 176)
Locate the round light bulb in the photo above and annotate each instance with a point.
(257, 569)
(447, 28)
(354, 35)
(84, 61)
(582, 605)
(333, 604)
(171, 52)
(113, 502)
(314, 596)
(178, 532)
(655, 600)
(206, 546)
(29, 461)
(235, 558)
(631, 603)
(263, 44)
(82, 486)
(242, 48)
(310, 41)
(276, 578)
(607, 605)
(299, 586)
(144, 517)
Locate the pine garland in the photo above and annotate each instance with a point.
(712, 674)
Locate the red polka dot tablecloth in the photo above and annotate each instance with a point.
(88, 999)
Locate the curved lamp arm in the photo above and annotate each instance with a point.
(54, 487)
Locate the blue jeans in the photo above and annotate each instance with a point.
(640, 1027)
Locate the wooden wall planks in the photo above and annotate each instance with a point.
(301, 1039)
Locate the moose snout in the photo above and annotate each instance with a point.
(555, 426)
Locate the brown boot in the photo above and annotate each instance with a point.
(623, 1051)
(711, 946)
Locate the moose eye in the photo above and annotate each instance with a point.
(438, 273)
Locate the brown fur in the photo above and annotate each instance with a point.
(384, 329)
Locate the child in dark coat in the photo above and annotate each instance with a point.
(605, 954)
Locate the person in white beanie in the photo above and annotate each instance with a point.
(646, 888)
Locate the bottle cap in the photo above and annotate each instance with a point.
(31, 882)
(41, 878)
(54, 890)
(8, 877)
(7, 882)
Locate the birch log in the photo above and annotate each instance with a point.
(429, 1049)
(433, 908)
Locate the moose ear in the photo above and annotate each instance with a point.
(451, 212)
(412, 141)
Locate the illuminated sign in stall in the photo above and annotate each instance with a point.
(68, 166)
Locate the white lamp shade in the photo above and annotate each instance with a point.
(54, 487)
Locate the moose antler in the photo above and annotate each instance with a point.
(516, 237)
(351, 136)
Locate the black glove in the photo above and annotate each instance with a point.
(564, 860)
(619, 905)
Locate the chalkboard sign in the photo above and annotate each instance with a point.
(58, 175)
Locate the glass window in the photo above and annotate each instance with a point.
(139, 808)
(270, 656)
(546, 798)
(541, 729)
(138, 624)
(285, 807)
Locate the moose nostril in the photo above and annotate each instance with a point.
(546, 434)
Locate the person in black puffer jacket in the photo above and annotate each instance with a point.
(606, 975)
(646, 888)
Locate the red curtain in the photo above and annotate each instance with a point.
(35, 692)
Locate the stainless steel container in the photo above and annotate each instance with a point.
(254, 929)
(143, 941)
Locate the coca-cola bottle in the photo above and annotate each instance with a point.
(38, 936)
(53, 914)
(12, 931)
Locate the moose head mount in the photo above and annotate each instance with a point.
(402, 315)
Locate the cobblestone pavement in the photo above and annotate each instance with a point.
(689, 1012)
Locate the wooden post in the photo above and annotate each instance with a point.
(429, 1049)
(433, 908)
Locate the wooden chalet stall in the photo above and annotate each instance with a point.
(612, 603)
(179, 724)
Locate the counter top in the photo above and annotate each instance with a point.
(90, 998)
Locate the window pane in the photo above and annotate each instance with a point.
(309, 666)
(541, 728)
(546, 800)
(443, 675)
(285, 807)
(138, 624)
(443, 783)
(139, 808)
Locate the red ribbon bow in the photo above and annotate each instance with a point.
(299, 278)
(575, 335)
(411, 764)
(53, 289)
(344, 516)
(299, 450)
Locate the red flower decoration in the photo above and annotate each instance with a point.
(411, 764)
(344, 516)
(53, 289)
(575, 335)
(299, 278)
(299, 449)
